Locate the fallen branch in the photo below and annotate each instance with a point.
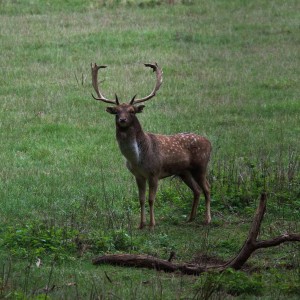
(251, 244)
(147, 261)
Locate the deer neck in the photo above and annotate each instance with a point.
(130, 140)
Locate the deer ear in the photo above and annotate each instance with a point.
(139, 109)
(111, 110)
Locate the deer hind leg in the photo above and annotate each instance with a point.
(200, 177)
(188, 179)
(153, 185)
(141, 183)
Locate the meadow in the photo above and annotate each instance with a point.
(231, 73)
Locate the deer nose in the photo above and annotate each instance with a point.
(122, 120)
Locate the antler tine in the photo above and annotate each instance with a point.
(100, 97)
(159, 80)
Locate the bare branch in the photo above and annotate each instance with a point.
(278, 240)
(250, 244)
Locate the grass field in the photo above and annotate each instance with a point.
(231, 73)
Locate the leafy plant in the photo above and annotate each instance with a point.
(37, 240)
(230, 281)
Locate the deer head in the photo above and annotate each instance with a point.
(125, 112)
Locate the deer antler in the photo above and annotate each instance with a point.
(95, 69)
(159, 73)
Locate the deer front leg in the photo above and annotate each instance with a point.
(153, 184)
(141, 183)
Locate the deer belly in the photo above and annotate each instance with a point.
(174, 168)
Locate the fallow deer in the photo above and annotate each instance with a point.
(151, 157)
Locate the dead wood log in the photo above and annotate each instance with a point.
(147, 261)
(251, 244)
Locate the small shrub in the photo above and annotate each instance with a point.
(230, 281)
(288, 285)
(238, 282)
(110, 241)
(121, 240)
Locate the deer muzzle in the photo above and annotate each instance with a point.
(122, 121)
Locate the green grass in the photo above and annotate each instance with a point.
(231, 73)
